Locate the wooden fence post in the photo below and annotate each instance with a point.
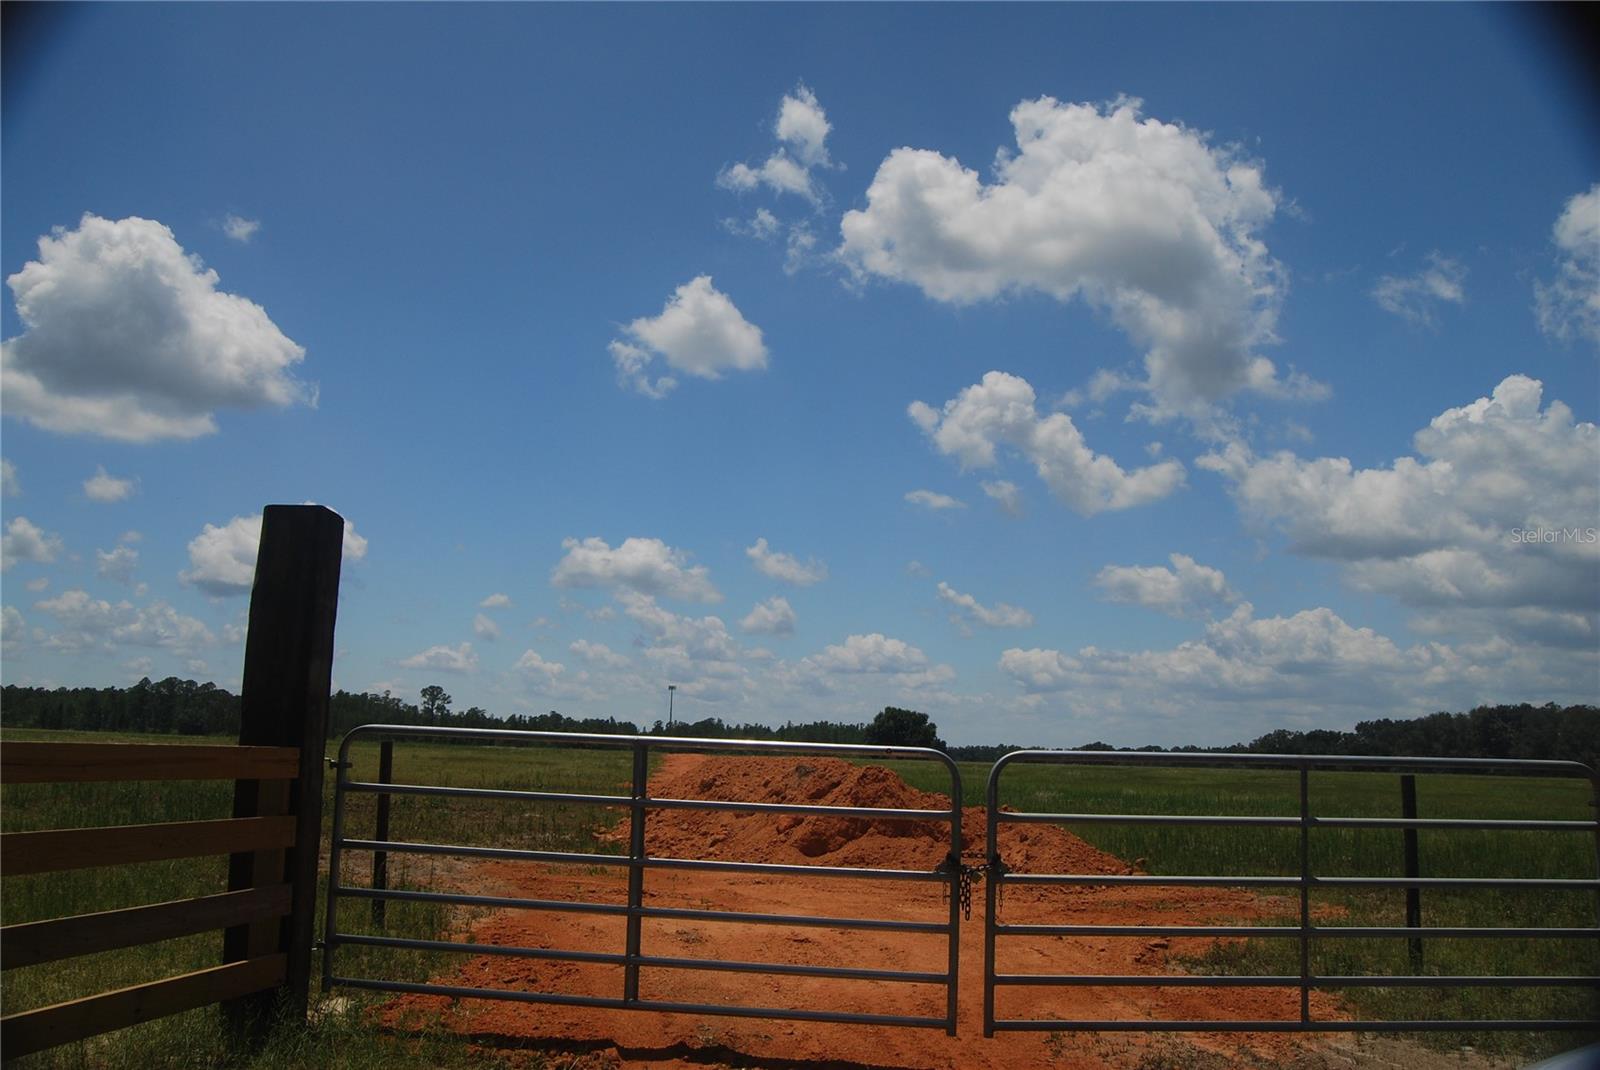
(288, 669)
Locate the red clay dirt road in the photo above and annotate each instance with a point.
(598, 1037)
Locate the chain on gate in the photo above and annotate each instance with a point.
(969, 875)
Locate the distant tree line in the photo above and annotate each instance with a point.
(185, 707)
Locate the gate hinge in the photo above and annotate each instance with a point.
(334, 763)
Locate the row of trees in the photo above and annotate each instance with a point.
(189, 708)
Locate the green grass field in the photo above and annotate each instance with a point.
(341, 1039)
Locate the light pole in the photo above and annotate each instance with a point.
(671, 691)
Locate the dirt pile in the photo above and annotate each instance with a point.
(806, 839)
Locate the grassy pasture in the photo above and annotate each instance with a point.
(341, 1039)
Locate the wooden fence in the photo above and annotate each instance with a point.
(267, 913)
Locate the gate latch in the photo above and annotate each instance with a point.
(969, 875)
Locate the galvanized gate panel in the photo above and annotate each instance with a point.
(1305, 933)
(638, 802)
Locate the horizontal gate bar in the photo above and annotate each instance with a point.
(1247, 821)
(1105, 878)
(581, 858)
(1014, 1025)
(485, 793)
(1317, 932)
(1288, 981)
(579, 907)
(1455, 882)
(787, 969)
(640, 1005)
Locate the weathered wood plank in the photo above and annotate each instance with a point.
(31, 1031)
(52, 763)
(59, 849)
(31, 943)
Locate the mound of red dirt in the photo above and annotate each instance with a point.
(821, 839)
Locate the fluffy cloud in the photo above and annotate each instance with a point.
(533, 665)
(101, 487)
(1569, 305)
(12, 624)
(1415, 297)
(647, 566)
(26, 541)
(87, 622)
(773, 617)
(875, 653)
(1000, 615)
(1005, 494)
(1141, 218)
(802, 131)
(10, 486)
(1311, 661)
(127, 336)
(117, 565)
(223, 559)
(679, 639)
(1001, 411)
(931, 499)
(1498, 509)
(484, 628)
(495, 601)
(1182, 590)
(598, 654)
(443, 658)
(240, 229)
(699, 332)
(785, 567)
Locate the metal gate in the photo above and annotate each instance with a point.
(1305, 933)
(639, 804)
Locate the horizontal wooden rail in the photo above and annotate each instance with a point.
(31, 943)
(53, 763)
(116, 845)
(31, 1031)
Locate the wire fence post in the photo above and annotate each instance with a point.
(380, 859)
(1408, 810)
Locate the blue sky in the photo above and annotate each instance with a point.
(1138, 373)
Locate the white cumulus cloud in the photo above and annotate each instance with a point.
(773, 617)
(802, 130)
(101, 487)
(1184, 589)
(1458, 524)
(700, 332)
(534, 665)
(1568, 306)
(932, 499)
(239, 228)
(648, 566)
(127, 336)
(117, 565)
(1143, 219)
(495, 601)
(26, 541)
(1415, 298)
(460, 659)
(88, 622)
(222, 559)
(1001, 411)
(1000, 615)
(484, 628)
(1005, 494)
(10, 485)
(598, 654)
(785, 567)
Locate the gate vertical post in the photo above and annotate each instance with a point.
(636, 855)
(1305, 892)
(380, 859)
(957, 879)
(991, 889)
(1408, 810)
(288, 669)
